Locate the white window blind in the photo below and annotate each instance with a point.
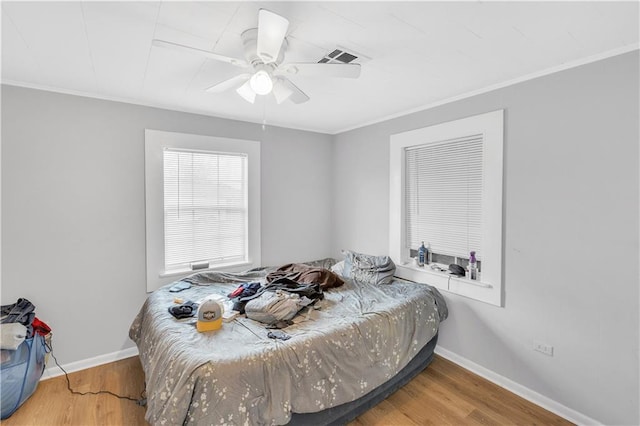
(443, 195)
(205, 208)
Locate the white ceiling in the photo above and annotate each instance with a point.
(421, 53)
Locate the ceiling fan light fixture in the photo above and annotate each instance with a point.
(261, 83)
(264, 51)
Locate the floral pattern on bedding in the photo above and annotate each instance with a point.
(354, 340)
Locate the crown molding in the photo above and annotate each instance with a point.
(537, 74)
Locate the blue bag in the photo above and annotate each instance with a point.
(21, 372)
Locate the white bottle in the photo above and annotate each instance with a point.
(473, 266)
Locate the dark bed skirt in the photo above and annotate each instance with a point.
(343, 414)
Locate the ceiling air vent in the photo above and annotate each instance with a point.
(340, 55)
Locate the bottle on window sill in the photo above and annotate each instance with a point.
(422, 254)
(473, 266)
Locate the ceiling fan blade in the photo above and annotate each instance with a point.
(210, 55)
(323, 69)
(230, 83)
(297, 96)
(247, 92)
(272, 28)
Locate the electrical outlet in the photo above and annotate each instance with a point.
(543, 347)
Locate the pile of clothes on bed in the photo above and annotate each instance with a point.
(289, 288)
(286, 291)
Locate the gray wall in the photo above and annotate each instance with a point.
(73, 222)
(571, 227)
(73, 208)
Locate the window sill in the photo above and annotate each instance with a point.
(440, 274)
(474, 289)
(230, 267)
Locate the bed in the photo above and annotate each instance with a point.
(346, 353)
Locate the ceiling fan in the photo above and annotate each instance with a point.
(264, 70)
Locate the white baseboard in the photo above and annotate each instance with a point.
(520, 390)
(52, 369)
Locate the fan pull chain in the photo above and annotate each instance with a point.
(264, 114)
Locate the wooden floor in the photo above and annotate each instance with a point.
(443, 394)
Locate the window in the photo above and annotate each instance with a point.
(203, 205)
(446, 190)
(205, 209)
(443, 196)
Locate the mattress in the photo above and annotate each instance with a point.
(343, 414)
(355, 340)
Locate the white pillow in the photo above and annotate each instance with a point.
(338, 268)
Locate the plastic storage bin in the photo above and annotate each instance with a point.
(21, 371)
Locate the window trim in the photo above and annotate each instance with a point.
(490, 125)
(155, 143)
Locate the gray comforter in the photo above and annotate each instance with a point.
(354, 340)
